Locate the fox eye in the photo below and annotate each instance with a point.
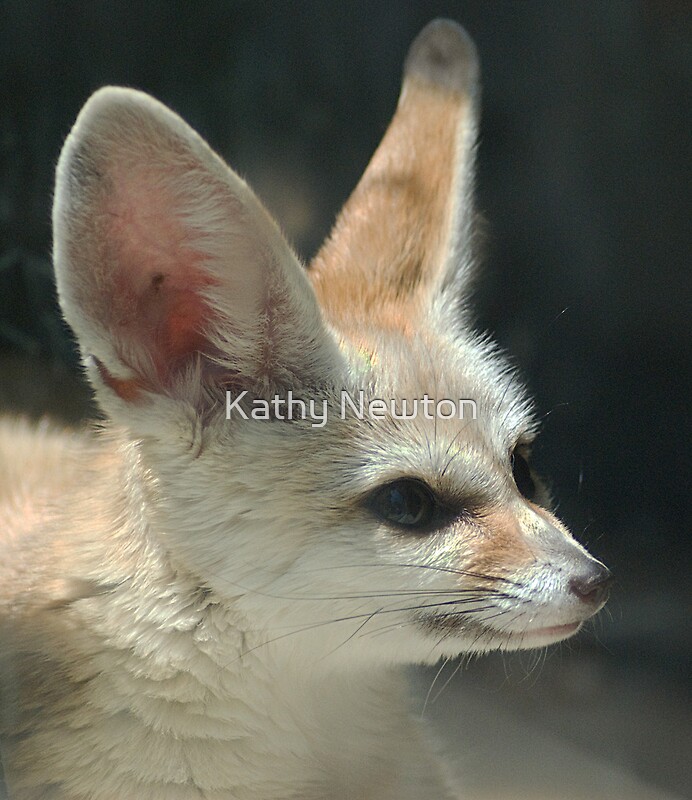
(522, 475)
(406, 503)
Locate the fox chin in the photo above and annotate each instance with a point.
(196, 603)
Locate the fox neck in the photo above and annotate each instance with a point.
(209, 706)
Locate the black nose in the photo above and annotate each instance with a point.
(593, 586)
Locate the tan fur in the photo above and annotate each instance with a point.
(501, 547)
(390, 246)
(408, 185)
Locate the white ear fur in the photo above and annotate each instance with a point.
(169, 269)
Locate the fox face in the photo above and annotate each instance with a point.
(371, 533)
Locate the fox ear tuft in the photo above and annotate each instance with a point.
(168, 266)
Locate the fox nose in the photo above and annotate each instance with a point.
(592, 587)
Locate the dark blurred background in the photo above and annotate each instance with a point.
(583, 177)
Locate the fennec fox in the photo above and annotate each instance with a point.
(308, 479)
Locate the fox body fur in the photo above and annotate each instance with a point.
(202, 605)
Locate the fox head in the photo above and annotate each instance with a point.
(403, 537)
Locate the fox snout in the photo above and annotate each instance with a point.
(540, 584)
(582, 583)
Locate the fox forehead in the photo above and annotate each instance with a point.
(488, 407)
(377, 428)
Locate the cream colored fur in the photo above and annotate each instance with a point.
(200, 607)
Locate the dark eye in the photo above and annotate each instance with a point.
(406, 503)
(522, 475)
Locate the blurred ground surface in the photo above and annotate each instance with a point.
(567, 726)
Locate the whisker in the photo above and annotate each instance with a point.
(455, 671)
(451, 570)
(355, 632)
(432, 686)
(536, 660)
(458, 614)
(394, 593)
(557, 406)
(350, 617)
(461, 573)
(497, 593)
(451, 458)
(398, 592)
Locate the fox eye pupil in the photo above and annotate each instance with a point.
(522, 476)
(405, 503)
(404, 506)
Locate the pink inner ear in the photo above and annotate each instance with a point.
(184, 317)
(158, 276)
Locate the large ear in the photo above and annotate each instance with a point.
(404, 234)
(173, 276)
